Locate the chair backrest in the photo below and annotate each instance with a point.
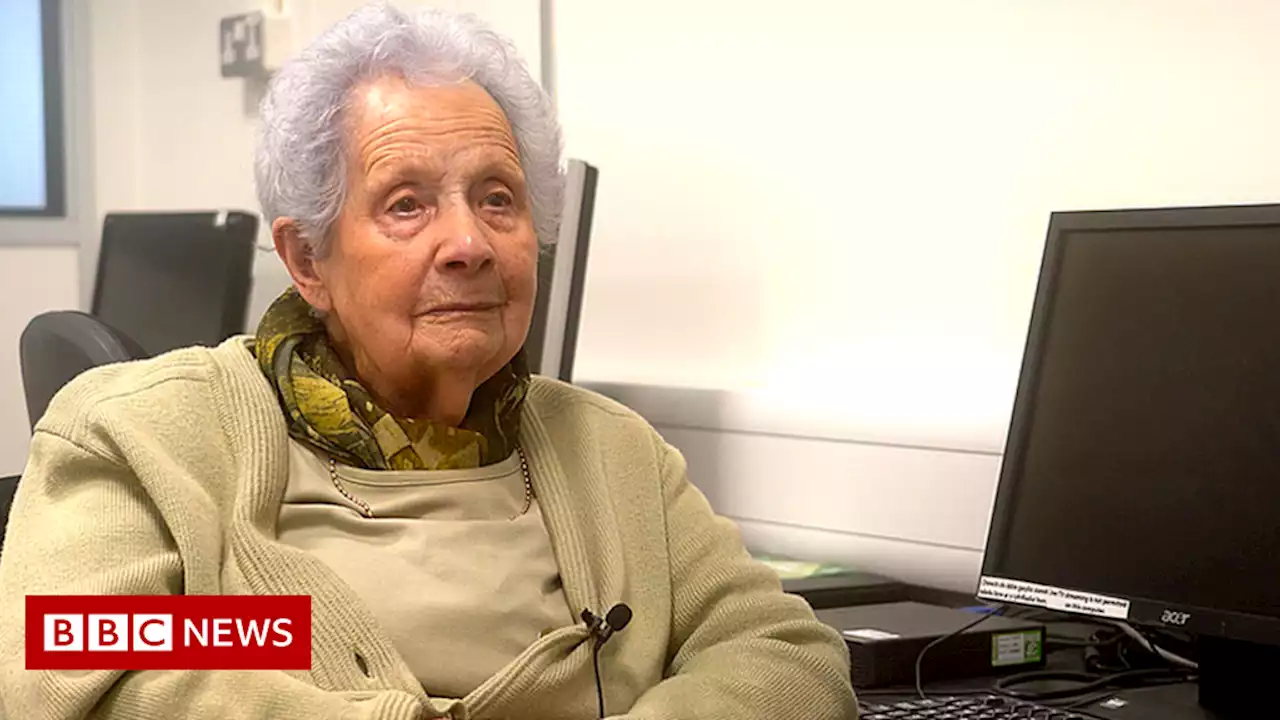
(8, 486)
(173, 280)
(57, 346)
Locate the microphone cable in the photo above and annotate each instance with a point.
(595, 666)
(601, 629)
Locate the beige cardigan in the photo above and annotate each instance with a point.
(166, 476)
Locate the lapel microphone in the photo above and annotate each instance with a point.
(601, 629)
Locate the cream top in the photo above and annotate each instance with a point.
(459, 586)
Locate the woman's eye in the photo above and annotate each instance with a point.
(498, 200)
(405, 206)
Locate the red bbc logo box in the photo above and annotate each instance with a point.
(168, 632)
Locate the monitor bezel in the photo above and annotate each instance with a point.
(562, 279)
(1144, 611)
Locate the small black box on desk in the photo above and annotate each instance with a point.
(843, 589)
(885, 639)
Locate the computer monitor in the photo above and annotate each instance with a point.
(171, 280)
(553, 332)
(1141, 478)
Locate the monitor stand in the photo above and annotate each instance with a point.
(1237, 679)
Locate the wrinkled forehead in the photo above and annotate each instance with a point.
(395, 126)
(393, 99)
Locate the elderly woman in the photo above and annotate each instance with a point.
(380, 446)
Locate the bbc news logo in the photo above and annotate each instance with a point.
(143, 632)
(168, 632)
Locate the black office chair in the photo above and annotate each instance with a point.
(8, 486)
(57, 346)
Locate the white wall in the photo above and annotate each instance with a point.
(38, 256)
(857, 189)
(833, 211)
(32, 280)
(831, 492)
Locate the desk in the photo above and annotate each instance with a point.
(1169, 702)
(1172, 702)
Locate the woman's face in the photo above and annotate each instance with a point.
(431, 274)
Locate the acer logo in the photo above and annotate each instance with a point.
(1173, 617)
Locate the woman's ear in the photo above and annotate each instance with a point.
(301, 262)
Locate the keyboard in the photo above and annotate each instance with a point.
(984, 707)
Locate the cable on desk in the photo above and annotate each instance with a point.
(1165, 655)
(1095, 640)
(1115, 647)
(996, 610)
(1084, 683)
(1078, 705)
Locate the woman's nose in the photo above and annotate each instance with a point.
(464, 245)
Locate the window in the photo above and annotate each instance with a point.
(32, 171)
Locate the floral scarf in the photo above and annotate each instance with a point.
(328, 409)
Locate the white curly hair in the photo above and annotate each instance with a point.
(300, 168)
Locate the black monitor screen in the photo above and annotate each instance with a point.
(171, 281)
(1144, 460)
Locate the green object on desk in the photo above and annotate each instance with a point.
(1017, 648)
(788, 569)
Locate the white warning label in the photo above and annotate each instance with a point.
(1052, 598)
(869, 634)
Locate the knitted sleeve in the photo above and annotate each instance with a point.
(742, 648)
